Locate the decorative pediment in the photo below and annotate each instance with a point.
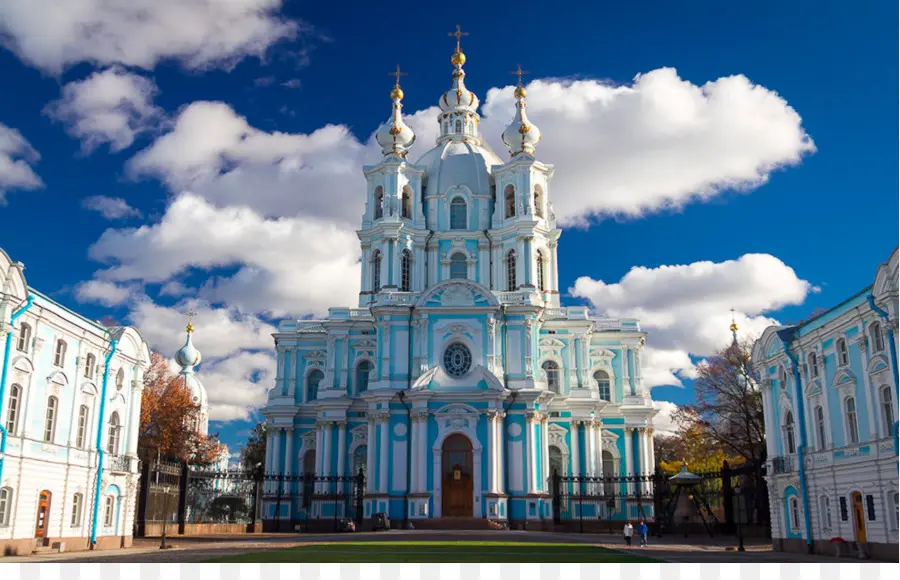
(89, 388)
(553, 343)
(58, 379)
(365, 344)
(878, 364)
(23, 365)
(844, 378)
(557, 437)
(814, 387)
(314, 354)
(603, 357)
(458, 293)
(360, 436)
(457, 330)
(457, 417)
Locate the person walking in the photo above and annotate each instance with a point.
(628, 531)
(642, 532)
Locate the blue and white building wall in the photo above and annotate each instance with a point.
(54, 379)
(830, 401)
(459, 383)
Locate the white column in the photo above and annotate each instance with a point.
(279, 374)
(342, 448)
(554, 283)
(501, 451)
(288, 456)
(490, 417)
(545, 452)
(276, 451)
(414, 436)
(384, 426)
(529, 438)
(326, 448)
(652, 452)
(292, 371)
(599, 449)
(422, 465)
(320, 443)
(370, 454)
(270, 445)
(345, 349)
(576, 461)
(629, 463)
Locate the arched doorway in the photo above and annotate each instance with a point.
(609, 480)
(859, 517)
(556, 462)
(458, 481)
(43, 514)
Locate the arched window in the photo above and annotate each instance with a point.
(511, 270)
(458, 214)
(509, 198)
(112, 442)
(539, 257)
(813, 365)
(50, 419)
(458, 126)
(887, 408)
(59, 358)
(81, 434)
(877, 337)
(13, 405)
(795, 513)
(843, 355)
(24, 337)
(120, 379)
(852, 427)
(820, 427)
(406, 204)
(6, 496)
(895, 499)
(312, 384)
(458, 266)
(75, 520)
(603, 386)
(552, 369)
(825, 504)
(363, 370)
(556, 462)
(109, 511)
(782, 378)
(376, 270)
(790, 446)
(538, 201)
(405, 270)
(90, 363)
(379, 202)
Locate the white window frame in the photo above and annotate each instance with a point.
(50, 419)
(789, 433)
(75, 516)
(6, 504)
(81, 433)
(59, 355)
(13, 412)
(842, 352)
(609, 384)
(794, 515)
(825, 508)
(24, 338)
(109, 509)
(887, 407)
(851, 426)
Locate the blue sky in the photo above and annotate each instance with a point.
(823, 216)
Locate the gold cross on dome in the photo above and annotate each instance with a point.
(397, 74)
(191, 314)
(458, 34)
(519, 73)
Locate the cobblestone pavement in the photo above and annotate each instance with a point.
(198, 549)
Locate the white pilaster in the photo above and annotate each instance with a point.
(423, 452)
(629, 456)
(326, 448)
(576, 461)
(288, 456)
(530, 420)
(270, 446)
(490, 417)
(545, 452)
(276, 452)
(875, 427)
(370, 454)
(384, 426)
(342, 448)
(134, 421)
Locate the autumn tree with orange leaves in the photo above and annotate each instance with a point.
(168, 416)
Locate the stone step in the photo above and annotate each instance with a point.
(453, 524)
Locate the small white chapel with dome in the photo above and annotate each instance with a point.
(459, 383)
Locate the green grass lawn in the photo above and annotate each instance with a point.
(424, 552)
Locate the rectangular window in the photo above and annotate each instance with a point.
(844, 513)
(82, 427)
(50, 420)
(5, 505)
(826, 513)
(76, 511)
(108, 511)
(870, 507)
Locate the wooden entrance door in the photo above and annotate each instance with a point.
(43, 515)
(859, 515)
(457, 481)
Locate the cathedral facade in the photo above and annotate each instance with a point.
(459, 384)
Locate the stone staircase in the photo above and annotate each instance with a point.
(453, 524)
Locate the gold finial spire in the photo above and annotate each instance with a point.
(397, 93)
(190, 327)
(520, 90)
(734, 326)
(458, 58)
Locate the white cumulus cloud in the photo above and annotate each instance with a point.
(53, 35)
(16, 159)
(112, 106)
(686, 308)
(112, 208)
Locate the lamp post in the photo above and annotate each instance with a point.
(740, 498)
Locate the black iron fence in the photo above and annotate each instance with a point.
(175, 493)
(715, 502)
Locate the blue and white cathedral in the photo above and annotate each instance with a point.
(459, 384)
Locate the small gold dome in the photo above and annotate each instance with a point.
(397, 93)
(458, 58)
(520, 92)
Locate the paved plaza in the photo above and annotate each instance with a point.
(199, 549)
